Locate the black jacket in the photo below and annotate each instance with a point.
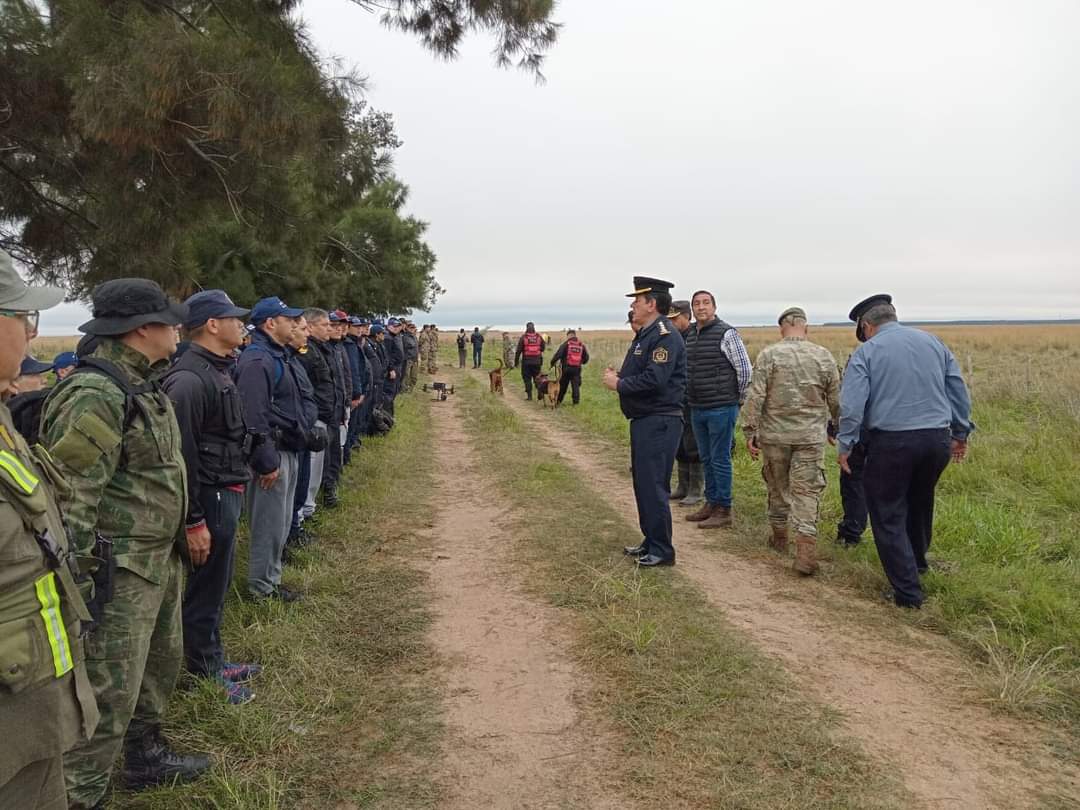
(210, 414)
(712, 381)
(395, 353)
(410, 346)
(327, 399)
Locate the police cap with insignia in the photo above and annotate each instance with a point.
(122, 305)
(680, 307)
(644, 285)
(863, 307)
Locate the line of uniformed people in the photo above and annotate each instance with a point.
(118, 532)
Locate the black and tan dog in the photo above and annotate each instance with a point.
(495, 377)
(547, 390)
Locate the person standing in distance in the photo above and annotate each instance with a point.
(573, 355)
(650, 386)
(530, 354)
(477, 341)
(904, 392)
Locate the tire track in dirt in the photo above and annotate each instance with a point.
(518, 738)
(902, 699)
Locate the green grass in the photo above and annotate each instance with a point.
(347, 712)
(704, 719)
(1005, 529)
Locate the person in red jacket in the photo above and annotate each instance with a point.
(530, 356)
(573, 355)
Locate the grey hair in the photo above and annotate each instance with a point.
(879, 314)
(315, 314)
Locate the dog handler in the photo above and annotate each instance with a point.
(651, 385)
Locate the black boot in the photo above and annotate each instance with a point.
(148, 760)
(330, 497)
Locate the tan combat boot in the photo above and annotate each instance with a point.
(719, 519)
(779, 540)
(805, 554)
(703, 513)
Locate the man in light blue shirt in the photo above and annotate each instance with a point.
(904, 394)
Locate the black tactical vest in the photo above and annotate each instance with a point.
(224, 446)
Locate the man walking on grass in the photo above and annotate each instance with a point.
(903, 391)
(794, 394)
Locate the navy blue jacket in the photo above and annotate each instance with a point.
(653, 375)
(309, 407)
(272, 399)
(357, 366)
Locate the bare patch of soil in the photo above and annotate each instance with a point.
(518, 737)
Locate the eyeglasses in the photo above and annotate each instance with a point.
(30, 317)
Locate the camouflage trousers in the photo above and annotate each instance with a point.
(795, 476)
(133, 660)
(433, 359)
(412, 374)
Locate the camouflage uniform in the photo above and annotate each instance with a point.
(46, 701)
(508, 351)
(433, 351)
(794, 391)
(130, 486)
(422, 343)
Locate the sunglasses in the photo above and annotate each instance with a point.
(30, 317)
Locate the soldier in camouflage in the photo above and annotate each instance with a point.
(433, 350)
(46, 701)
(113, 432)
(507, 350)
(794, 392)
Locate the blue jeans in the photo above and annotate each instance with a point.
(714, 428)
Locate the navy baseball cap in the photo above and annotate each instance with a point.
(377, 329)
(355, 321)
(272, 307)
(333, 316)
(203, 306)
(65, 359)
(393, 322)
(31, 365)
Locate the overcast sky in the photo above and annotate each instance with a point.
(776, 152)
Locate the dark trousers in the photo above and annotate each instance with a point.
(357, 419)
(477, 357)
(204, 598)
(332, 460)
(851, 528)
(571, 378)
(390, 392)
(461, 358)
(529, 370)
(303, 481)
(653, 442)
(902, 469)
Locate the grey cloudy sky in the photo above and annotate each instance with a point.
(776, 152)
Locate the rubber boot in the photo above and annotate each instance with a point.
(683, 487)
(695, 494)
(148, 761)
(805, 554)
(779, 540)
(719, 519)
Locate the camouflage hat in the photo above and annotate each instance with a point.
(792, 312)
(124, 304)
(680, 307)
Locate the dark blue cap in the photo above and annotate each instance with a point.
(65, 359)
(272, 307)
(203, 306)
(377, 329)
(32, 366)
(355, 320)
(333, 316)
(393, 322)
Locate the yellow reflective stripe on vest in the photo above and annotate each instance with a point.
(54, 624)
(23, 478)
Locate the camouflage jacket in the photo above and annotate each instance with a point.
(794, 392)
(128, 485)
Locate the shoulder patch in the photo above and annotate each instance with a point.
(660, 355)
(663, 328)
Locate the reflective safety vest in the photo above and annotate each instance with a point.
(532, 345)
(575, 349)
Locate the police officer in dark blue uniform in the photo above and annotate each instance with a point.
(651, 385)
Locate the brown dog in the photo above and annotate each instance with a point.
(495, 378)
(547, 390)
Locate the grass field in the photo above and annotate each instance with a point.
(1005, 529)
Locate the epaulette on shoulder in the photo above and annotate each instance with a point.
(663, 329)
